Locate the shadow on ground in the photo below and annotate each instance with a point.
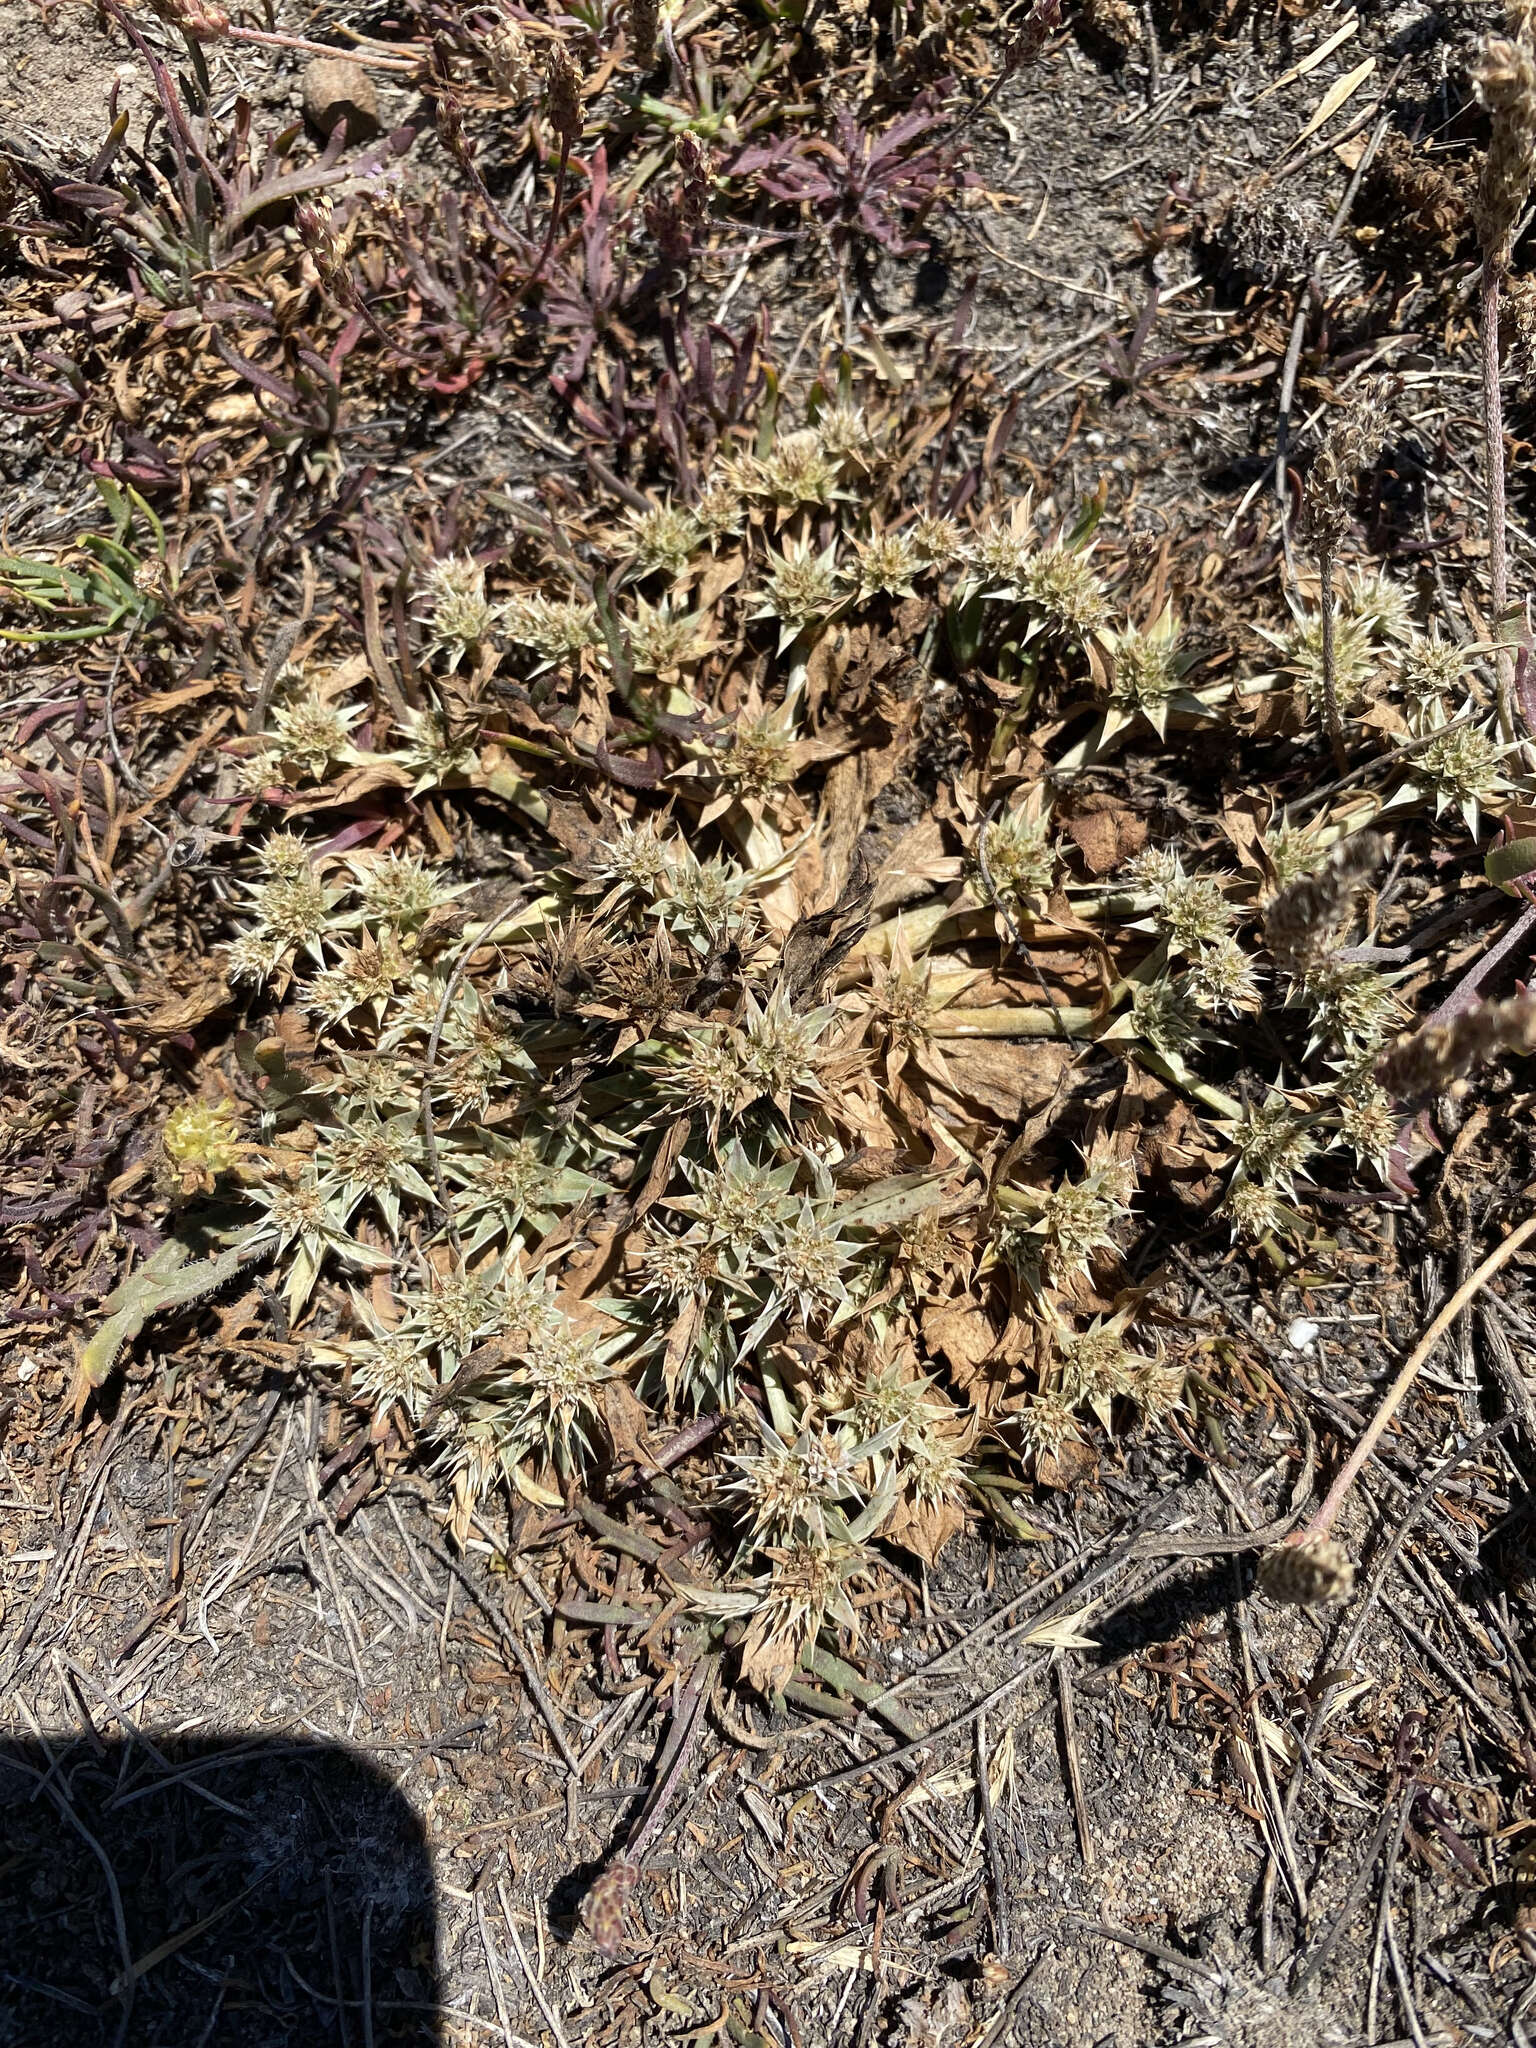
(239, 1893)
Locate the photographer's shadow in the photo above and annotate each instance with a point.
(240, 1894)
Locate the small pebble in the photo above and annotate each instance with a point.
(335, 87)
(1301, 1335)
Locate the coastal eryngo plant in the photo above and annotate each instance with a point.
(682, 1125)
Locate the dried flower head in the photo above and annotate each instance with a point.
(1307, 917)
(1505, 77)
(511, 59)
(1314, 1572)
(1424, 1063)
(1352, 443)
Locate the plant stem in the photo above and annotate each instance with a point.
(1493, 433)
(1331, 715)
(1500, 1256)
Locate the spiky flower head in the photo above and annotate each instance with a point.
(309, 733)
(1000, 554)
(1015, 860)
(664, 537)
(1353, 1007)
(1254, 1210)
(556, 1389)
(803, 587)
(1272, 1142)
(362, 977)
(364, 1154)
(1165, 1016)
(662, 640)
(1433, 671)
(401, 889)
(739, 1203)
(1465, 766)
(460, 617)
(1095, 1365)
(1060, 583)
(1192, 910)
(434, 755)
(555, 628)
(704, 902)
(720, 510)
(888, 562)
(295, 911)
(390, 1371)
(787, 1489)
(457, 1310)
(639, 859)
(1221, 977)
(1293, 852)
(939, 540)
(845, 434)
(1369, 1124)
(808, 1261)
(1050, 1233)
(1146, 669)
(797, 470)
(807, 1586)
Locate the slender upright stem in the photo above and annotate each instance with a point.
(1331, 715)
(1493, 430)
(1392, 1399)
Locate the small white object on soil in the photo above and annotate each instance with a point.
(1302, 1334)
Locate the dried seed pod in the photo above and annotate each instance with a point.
(1424, 1063)
(1506, 84)
(1303, 923)
(1315, 1572)
(644, 20)
(562, 96)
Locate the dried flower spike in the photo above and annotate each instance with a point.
(644, 18)
(1314, 1572)
(562, 96)
(1422, 1064)
(1506, 85)
(1305, 920)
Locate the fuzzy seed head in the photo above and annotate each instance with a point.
(1313, 1573)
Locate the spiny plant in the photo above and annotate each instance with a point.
(590, 1158)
